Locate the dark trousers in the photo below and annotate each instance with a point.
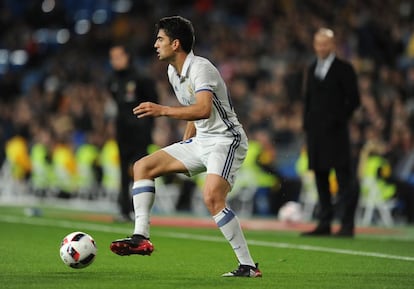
(127, 158)
(346, 199)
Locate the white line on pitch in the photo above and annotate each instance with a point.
(112, 229)
(290, 246)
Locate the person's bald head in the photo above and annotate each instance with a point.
(324, 42)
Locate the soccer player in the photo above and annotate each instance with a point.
(214, 141)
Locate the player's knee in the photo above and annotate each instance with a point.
(143, 169)
(213, 202)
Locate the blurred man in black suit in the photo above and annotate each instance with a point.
(129, 88)
(331, 96)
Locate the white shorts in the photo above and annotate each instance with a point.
(222, 156)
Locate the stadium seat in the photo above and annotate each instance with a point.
(372, 201)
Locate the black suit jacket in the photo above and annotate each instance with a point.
(328, 107)
(129, 89)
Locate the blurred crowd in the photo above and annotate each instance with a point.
(54, 65)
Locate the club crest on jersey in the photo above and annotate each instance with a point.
(190, 89)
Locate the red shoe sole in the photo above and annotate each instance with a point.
(258, 274)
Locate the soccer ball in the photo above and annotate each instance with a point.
(78, 250)
(291, 212)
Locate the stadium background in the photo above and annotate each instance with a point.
(54, 63)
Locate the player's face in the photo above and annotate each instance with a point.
(119, 58)
(164, 46)
(323, 45)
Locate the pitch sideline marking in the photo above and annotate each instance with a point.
(104, 228)
(292, 246)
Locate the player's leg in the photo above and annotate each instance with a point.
(214, 193)
(224, 159)
(143, 189)
(143, 194)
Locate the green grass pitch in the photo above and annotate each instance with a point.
(196, 257)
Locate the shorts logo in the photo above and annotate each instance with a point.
(186, 141)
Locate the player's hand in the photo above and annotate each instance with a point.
(148, 109)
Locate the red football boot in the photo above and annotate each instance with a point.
(136, 244)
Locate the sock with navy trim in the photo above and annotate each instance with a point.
(143, 196)
(229, 225)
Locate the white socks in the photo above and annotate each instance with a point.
(143, 195)
(229, 225)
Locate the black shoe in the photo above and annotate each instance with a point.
(319, 231)
(245, 271)
(345, 233)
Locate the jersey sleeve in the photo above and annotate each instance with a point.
(206, 77)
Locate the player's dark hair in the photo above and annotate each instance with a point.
(177, 27)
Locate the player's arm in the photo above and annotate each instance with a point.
(190, 130)
(201, 109)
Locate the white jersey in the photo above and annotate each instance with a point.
(199, 74)
(220, 144)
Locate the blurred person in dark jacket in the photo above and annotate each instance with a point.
(331, 97)
(401, 156)
(129, 88)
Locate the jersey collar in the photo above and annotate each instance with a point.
(186, 64)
